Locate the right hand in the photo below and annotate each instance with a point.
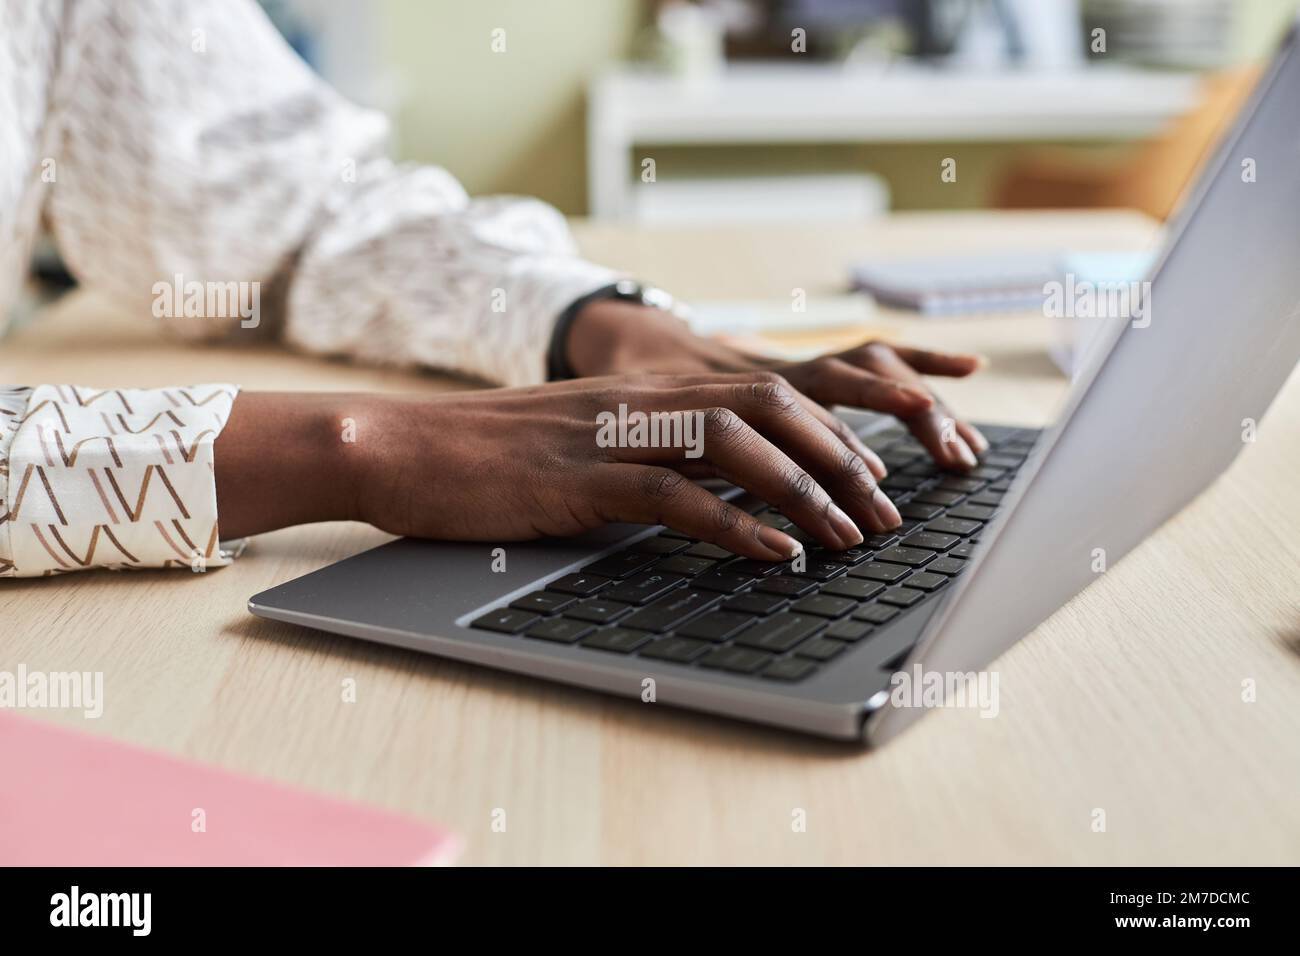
(511, 464)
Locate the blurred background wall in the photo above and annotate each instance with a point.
(514, 121)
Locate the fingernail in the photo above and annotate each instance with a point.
(885, 510)
(843, 526)
(965, 454)
(981, 443)
(779, 543)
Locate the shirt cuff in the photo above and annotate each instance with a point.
(535, 294)
(111, 478)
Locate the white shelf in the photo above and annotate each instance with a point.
(789, 103)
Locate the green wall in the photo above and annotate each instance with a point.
(515, 121)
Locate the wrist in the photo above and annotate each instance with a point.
(612, 336)
(289, 458)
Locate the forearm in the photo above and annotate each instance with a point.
(287, 458)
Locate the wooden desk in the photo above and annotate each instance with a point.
(1128, 699)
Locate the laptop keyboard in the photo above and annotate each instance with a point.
(672, 598)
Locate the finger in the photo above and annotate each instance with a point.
(775, 410)
(934, 427)
(745, 458)
(834, 381)
(937, 431)
(683, 399)
(974, 437)
(939, 363)
(656, 495)
(840, 429)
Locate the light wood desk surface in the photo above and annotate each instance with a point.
(1129, 699)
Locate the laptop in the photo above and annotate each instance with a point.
(1156, 413)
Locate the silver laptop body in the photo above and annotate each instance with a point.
(1160, 410)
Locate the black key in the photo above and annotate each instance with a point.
(859, 589)
(926, 581)
(946, 565)
(821, 648)
(710, 551)
(929, 541)
(986, 473)
(753, 569)
(906, 445)
(823, 605)
(505, 621)
(918, 511)
(953, 526)
(903, 597)
(894, 460)
(908, 526)
(780, 632)
(542, 602)
(670, 533)
(1003, 460)
(789, 668)
(621, 565)
(1001, 486)
(661, 545)
(617, 639)
(878, 571)
(671, 610)
(896, 482)
(785, 585)
(878, 541)
(560, 629)
(937, 497)
(741, 660)
(723, 581)
(912, 557)
(579, 584)
(755, 603)
(849, 630)
(972, 512)
(681, 564)
(598, 610)
(847, 558)
(716, 626)
(774, 519)
(962, 551)
(875, 614)
(683, 650)
(819, 570)
(965, 485)
(643, 588)
(990, 499)
(922, 469)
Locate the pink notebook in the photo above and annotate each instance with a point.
(72, 799)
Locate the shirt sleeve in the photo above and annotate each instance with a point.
(198, 152)
(115, 478)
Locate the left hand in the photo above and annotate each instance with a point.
(613, 337)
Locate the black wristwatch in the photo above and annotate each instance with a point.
(625, 290)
